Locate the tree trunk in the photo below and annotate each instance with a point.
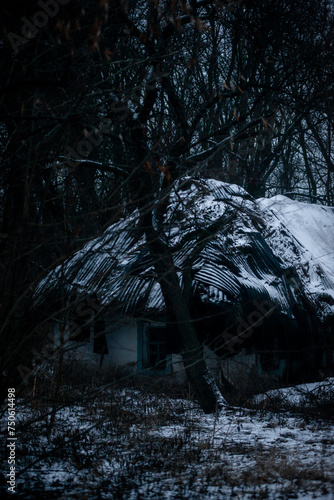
(201, 381)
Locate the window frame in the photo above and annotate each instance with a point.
(143, 347)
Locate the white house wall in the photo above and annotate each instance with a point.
(123, 353)
(121, 342)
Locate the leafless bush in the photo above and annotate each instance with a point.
(316, 402)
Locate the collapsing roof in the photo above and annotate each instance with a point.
(239, 251)
(302, 234)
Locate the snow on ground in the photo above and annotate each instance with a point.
(131, 444)
(300, 395)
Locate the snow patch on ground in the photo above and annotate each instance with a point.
(303, 394)
(129, 444)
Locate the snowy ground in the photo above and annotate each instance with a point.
(131, 444)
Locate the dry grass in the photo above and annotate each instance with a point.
(152, 441)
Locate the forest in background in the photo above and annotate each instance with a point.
(104, 105)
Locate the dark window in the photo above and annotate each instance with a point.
(81, 331)
(100, 341)
(156, 347)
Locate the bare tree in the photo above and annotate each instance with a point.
(104, 105)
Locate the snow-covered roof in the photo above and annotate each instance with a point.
(302, 234)
(216, 226)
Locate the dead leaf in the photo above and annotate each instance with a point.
(265, 123)
(148, 167)
(60, 25)
(67, 30)
(94, 35)
(200, 25)
(143, 37)
(166, 172)
(108, 53)
(192, 63)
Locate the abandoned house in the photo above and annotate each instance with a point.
(259, 274)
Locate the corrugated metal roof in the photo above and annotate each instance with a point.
(233, 263)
